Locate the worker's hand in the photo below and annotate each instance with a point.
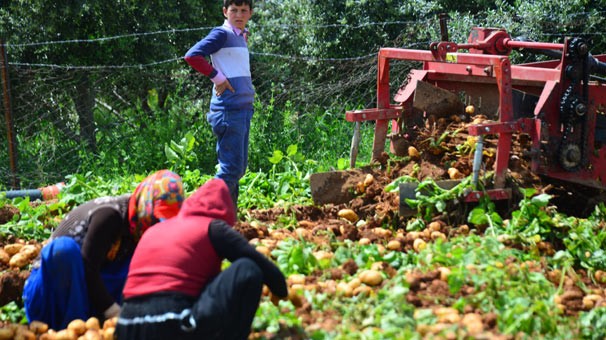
(113, 310)
(220, 88)
(292, 296)
(276, 299)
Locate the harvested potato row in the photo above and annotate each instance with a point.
(76, 330)
(18, 255)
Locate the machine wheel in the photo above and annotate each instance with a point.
(570, 157)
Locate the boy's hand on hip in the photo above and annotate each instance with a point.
(220, 88)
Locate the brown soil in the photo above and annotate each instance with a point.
(11, 286)
(7, 212)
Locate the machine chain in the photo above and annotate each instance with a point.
(572, 153)
(573, 111)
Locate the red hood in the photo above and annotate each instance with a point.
(211, 200)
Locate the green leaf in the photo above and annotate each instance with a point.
(395, 184)
(291, 150)
(541, 200)
(152, 99)
(342, 163)
(171, 155)
(528, 192)
(477, 216)
(191, 141)
(562, 255)
(456, 280)
(496, 218)
(178, 147)
(276, 157)
(440, 206)
(416, 224)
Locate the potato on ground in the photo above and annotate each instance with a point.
(77, 326)
(19, 260)
(349, 215)
(38, 327)
(6, 333)
(93, 323)
(371, 277)
(12, 249)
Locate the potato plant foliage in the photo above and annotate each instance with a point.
(481, 279)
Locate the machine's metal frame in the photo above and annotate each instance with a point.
(486, 73)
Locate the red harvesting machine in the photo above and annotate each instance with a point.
(560, 104)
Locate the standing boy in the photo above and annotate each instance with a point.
(231, 105)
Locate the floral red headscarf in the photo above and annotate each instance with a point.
(158, 197)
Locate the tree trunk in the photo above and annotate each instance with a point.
(84, 100)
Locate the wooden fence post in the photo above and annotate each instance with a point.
(12, 144)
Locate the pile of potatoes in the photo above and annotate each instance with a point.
(471, 324)
(360, 285)
(76, 330)
(18, 255)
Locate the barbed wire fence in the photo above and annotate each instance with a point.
(54, 137)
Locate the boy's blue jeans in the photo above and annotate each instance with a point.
(232, 130)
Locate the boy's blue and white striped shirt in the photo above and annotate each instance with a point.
(229, 54)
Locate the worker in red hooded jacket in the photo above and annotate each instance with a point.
(175, 287)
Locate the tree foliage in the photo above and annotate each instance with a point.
(311, 61)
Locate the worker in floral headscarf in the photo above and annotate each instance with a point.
(82, 270)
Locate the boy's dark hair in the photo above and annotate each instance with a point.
(226, 3)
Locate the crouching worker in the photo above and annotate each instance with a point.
(82, 271)
(175, 287)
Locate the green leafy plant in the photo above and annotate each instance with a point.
(533, 216)
(593, 324)
(287, 180)
(13, 313)
(276, 319)
(180, 155)
(436, 144)
(394, 185)
(342, 163)
(296, 257)
(523, 299)
(35, 221)
(586, 241)
(485, 214)
(431, 198)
